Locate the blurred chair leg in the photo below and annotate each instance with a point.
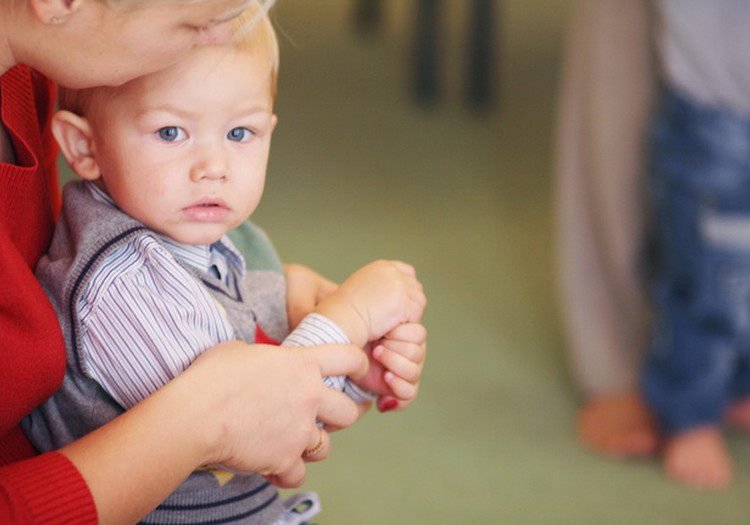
(481, 50)
(368, 16)
(426, 79)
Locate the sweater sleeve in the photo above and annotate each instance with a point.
(48, 488)
(45, 489)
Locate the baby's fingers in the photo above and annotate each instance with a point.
(403, 360)
(402, 352)
(401, 356)
(400, 388)
(409, 332)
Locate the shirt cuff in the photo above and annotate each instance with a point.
(316, 329)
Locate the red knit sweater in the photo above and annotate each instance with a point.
(33, 489)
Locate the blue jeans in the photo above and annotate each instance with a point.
(698, 359)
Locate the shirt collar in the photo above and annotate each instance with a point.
(200, 256)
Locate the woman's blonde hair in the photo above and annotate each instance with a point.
(252, 33)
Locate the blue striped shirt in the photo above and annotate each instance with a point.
(144, 318)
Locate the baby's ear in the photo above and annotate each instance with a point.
(73, 134)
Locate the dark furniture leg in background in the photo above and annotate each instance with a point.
(481, 54)
(481, 49)
(368, 16)
(427, 51)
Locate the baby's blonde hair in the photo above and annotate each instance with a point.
(252, 33)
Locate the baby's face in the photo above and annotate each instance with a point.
(185, 150)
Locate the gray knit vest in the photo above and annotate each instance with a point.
(87, 232)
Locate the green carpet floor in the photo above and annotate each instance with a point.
(359, 172)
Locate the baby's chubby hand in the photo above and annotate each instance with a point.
(396, 364)
(375, 300)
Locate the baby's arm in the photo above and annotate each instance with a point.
(380, 304)
(305, 289)
(137, 338)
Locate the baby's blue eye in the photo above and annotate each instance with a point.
(239, 134)
(171, 133)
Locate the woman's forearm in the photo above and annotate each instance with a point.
(137, 460)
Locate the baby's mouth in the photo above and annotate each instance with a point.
(207, 210)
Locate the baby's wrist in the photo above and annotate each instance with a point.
(316, 329)
(346, 318)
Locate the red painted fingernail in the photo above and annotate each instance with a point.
(388, 405)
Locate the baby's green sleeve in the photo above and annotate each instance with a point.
(255, 247)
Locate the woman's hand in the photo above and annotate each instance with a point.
(265, 401)
(247, 407)
(305, 289)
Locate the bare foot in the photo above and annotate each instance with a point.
(618, 425)
(698, 458)
(738, 414)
